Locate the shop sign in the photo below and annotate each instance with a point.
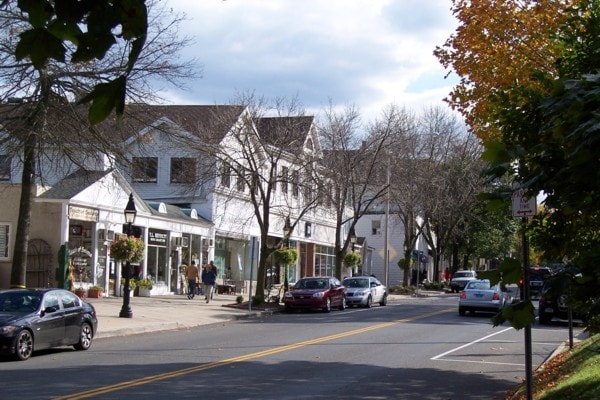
(157, 238)
(83, 213)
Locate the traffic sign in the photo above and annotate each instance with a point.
(523, 206)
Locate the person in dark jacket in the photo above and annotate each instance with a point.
(208, 280)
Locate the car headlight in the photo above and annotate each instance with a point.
(288, 295)
(319, 294)
(8, 330)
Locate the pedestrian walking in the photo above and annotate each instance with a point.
(208, 280)
(214, 269)
(192, 274)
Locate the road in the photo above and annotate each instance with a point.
(416, 348)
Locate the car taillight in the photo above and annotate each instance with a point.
(496, 296)
(463, 295)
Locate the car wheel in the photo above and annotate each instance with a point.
(461, 311)
(327, 307)
(383, 301)
(342, 306)
(85, 337)
(369, 302)
(24, 345)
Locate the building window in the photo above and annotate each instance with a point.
(295, 184)
(240, 184)
(324, 261)
(376, 227)
(145, 169)
(284, 180)
(183, 170)
(5, 168)
(4, 239)
(225, 175)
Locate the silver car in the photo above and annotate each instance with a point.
(479, 295)
(364, 291)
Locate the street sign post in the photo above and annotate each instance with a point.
(522, 206)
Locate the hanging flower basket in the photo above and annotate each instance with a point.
(286, 255)
(352, 260)
(127, 248)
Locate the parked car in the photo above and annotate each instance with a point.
(35, 319)
(364, 291)
(323, 293)
(480, 295)
(460, 279)
(553, 300)
(537, 277)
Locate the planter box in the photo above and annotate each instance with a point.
(157, 290)
(95, 294)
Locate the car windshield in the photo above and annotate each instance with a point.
(19, 301)
(312, 284)
(356, 283)
(478, 285)
(465, 274)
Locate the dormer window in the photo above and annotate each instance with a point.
(183, 170)
(144, 169)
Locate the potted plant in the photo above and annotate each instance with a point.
(132, 286)
(352, 260)
(79, 291)
(95, 292)
(145, 286)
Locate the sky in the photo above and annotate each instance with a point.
(362, 53)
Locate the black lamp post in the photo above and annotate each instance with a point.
(352, 238)
(130, 213)
(287, 230)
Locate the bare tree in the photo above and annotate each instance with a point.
(267, 160)
(354, 166)
(405, 193)
(449, 179)
(46, 122)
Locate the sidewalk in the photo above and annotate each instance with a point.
(159, 313)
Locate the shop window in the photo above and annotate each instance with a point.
(183, 170)
(145, 169)
(4, 167)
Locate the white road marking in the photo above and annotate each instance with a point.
(469, 344)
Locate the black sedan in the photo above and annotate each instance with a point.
(35, 319)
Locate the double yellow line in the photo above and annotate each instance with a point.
(174, 374)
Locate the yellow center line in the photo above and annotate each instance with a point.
(259, 354)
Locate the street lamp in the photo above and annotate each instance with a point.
(352, 238)
(130, 213)
(287, 230)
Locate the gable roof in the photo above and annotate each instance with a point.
(288, 133)
(73, 184)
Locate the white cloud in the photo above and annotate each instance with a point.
(363, 52)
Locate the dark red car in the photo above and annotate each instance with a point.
(316, 293)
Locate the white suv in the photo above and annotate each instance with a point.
(460, 279)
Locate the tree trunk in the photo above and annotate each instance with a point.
(18, 274)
